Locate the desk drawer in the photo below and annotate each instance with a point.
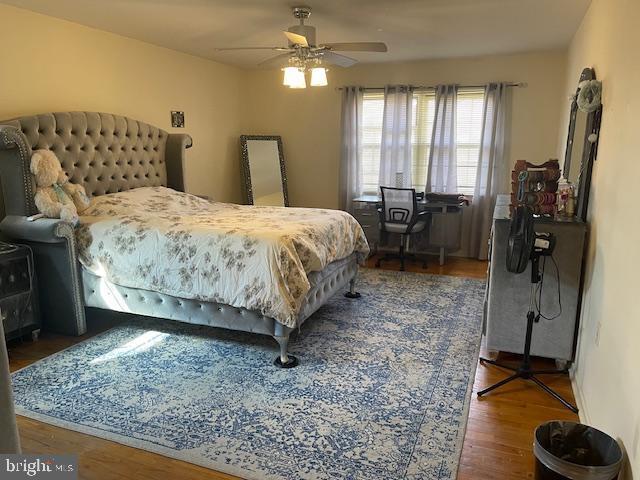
(367, 217)
(372, 233)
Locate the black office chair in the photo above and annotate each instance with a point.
(399, 214)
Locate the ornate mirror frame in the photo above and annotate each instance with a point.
(590, 148)
(246, 168)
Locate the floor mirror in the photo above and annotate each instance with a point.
(263, 171)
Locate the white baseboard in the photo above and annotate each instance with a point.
(585, 419)
(583, 412)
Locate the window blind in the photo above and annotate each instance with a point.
(468, 137)
(468, 130)
(424, 111)
(372, 111)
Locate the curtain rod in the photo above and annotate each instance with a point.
(433, 87)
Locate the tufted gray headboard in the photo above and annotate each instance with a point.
(103, 152)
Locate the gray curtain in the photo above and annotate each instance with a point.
(9, 441)
(351, 161)
(395, 148)
(492, 167)
(442, 172)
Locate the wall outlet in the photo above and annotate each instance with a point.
(177, 119)
(598, 328)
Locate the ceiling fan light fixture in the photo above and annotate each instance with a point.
(289, 76)
(304, 53)
(297, 78)
(319, 77)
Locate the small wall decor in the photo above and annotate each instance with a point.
(177, 119)
(589, 95)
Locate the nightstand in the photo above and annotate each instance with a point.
(18, 301)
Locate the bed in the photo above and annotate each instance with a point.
(256, 269)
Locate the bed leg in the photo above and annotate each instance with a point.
(284, 360)
(352, 289)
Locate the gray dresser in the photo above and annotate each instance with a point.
(507, 296)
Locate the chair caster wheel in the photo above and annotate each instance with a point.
(352, 295)
(293, 362)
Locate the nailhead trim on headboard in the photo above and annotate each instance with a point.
(15, 140)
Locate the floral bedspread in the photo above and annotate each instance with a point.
(158, 239)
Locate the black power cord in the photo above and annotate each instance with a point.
(538, 300)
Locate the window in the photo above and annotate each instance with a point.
(468, 137)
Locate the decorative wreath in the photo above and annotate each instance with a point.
(589, 95)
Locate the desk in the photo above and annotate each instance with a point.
(444, 232)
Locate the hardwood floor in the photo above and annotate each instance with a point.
(456, 266)
(497, 443)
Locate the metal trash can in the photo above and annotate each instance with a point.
(569, 450)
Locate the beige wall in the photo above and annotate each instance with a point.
(54, 65)
(58, 65)
(606, 375)
(309, 120)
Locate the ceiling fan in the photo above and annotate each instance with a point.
(303, 53)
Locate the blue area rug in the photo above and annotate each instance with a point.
(382, 390)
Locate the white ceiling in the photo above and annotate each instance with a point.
(413, 29)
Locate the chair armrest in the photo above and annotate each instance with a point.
(421, 216)
(42, 230)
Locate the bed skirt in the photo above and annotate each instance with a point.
(100, 293)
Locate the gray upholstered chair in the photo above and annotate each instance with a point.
(103, 152)
(399, 214)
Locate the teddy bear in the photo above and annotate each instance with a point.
(56, 196)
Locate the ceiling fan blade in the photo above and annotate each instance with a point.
(337, 59)
(279, 49)
(296, 39)
(277, 61)
(357, 46)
